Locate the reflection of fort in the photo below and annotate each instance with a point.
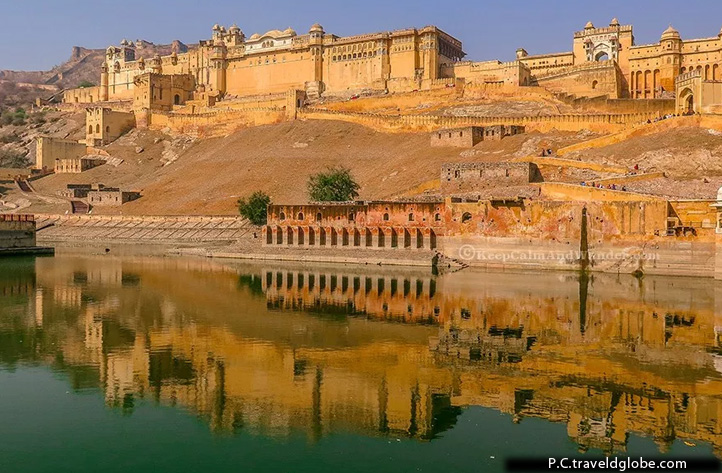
(609, 357)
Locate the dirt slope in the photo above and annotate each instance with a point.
(210, 175)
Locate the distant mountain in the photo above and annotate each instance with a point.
(84, 66)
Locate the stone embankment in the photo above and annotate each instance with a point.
(141, 229)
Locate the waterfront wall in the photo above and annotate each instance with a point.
(17, 231)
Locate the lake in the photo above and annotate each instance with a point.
(140, 363)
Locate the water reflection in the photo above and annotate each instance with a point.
(317, 350)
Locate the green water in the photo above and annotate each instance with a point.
(169, 364)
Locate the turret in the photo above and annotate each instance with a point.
(671, 59)
(104, 82)
(316, 46)
(521, 53)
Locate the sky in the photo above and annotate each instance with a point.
(38, 34)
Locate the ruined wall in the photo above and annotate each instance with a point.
(466, 137)
(469, 177)
(48, 149)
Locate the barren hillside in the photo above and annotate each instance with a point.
(210, 175)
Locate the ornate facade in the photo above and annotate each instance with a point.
(231, 63)
(646, 71)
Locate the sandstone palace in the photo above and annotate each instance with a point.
(603, 61)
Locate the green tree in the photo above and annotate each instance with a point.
(336, 184)
(255, 207)
(85, 83)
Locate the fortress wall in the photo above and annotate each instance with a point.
(640, 130)
(606, 123)
(284, 70)
(353, 74)
(84, 95)
(585, 81)
(573, 192)
(215, 123)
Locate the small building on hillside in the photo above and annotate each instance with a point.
(111, 197)
(470, 136)
(48, 150)
(104, 125)
(469, 177)
(75, 191)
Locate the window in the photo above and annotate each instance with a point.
(411, 217)
(176, 99)
(282, 216)
(386, 217)
(300, 215)
(465, 217)
(319, 217)
(107, 129)
(97, 128)
(351, 217)
(437, 217)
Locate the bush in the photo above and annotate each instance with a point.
(333, 185)
(255, 207)
(85, 83)
(9, 138)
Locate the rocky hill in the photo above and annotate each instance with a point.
(82, 66)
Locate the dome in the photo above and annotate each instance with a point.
(254, 36)
(316, 28)
(234, 29)
(589, 25)
(273, 33)
(289, 32)
(670, 33)
(615, 22)
(216, 27)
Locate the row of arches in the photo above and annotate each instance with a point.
(409, 238)
(645, 84)
(97, 129)
(708, 72)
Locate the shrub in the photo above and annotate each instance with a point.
(10, 158)
(85, 83)
(334, 184)
(255, 207)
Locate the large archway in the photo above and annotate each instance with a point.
(601, 56)
(686, 101)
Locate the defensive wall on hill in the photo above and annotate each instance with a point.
(543, 123)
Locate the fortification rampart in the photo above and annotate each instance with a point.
(401, 123)
(216, 123)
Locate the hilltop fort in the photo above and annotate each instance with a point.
(611, 147)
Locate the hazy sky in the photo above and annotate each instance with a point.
(37, 34)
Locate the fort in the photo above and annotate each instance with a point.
(608, 90)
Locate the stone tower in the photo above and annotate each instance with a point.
(671, 59)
